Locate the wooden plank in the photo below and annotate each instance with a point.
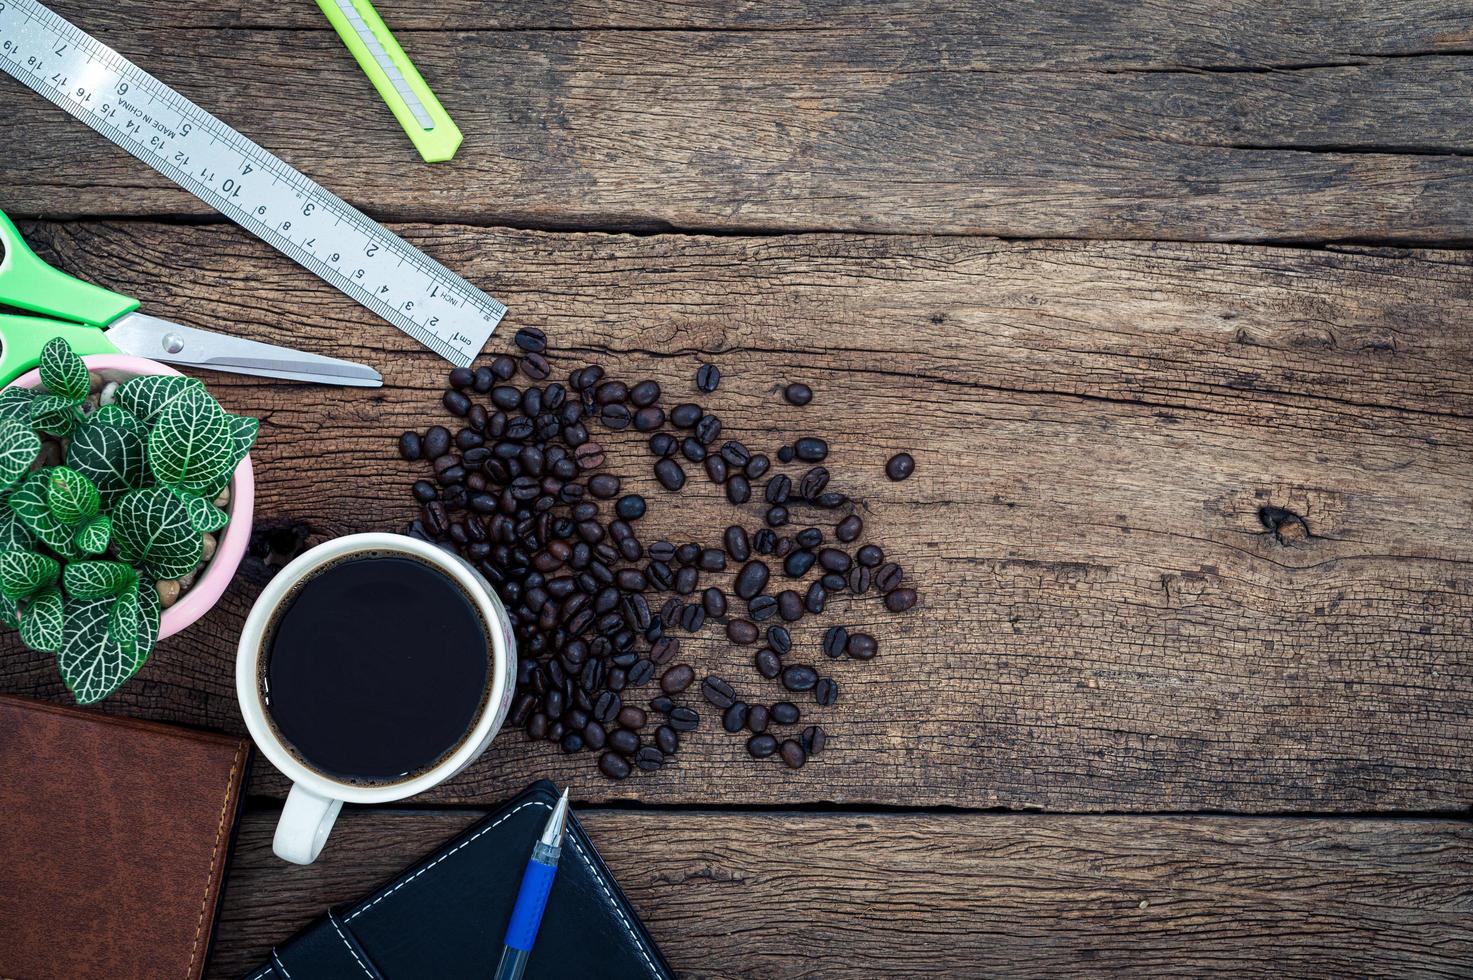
(1330, 133)
(1106, 623)
(838, 896)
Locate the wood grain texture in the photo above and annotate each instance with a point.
(1106, 622)
(851, 897)
(1240, 123)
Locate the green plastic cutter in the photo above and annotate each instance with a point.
(425, 121)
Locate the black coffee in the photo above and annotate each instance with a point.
(376, 668)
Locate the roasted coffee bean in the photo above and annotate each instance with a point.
(644, 393)
(708, 376)
(590, 456)
(575, 435)
(738, 545)
(777, 515)
(816, 598)
(686, 415)
(667, 740)
(792, 754)
(670, 475)
(785, 713)
(764, 541)
(537, 727)
(641, 672)
(767, 663)
(799, 677)
(712, 560)
(649, 758)
(779, 639)
(477, 418)
(888, 577)
(535, 366)
(677, 679)
(814, 739)
(532, 402)
(573, 742)
(613, 766)
(738, 490)
(757, 466)
(900, 466)
(713, 600)
(778, 488)
(797, 564)
(462, 377)
(506, 397)
(716, 470)
(483, 380)
(741, 631)
(632, 718)
(453, 474)
(503, 367)
(813, 483)
(623, 741)
(900, 600)
(605, 485)
(688, 553)
(411, 446)
(826, 691)
(686, 581)
(663, 444)
(662, 551)
(718, 692)
(611, 392)
(595, 736)
(849, 528)
(870, 555)
(436, 442)
(789, 605)
(811, 449)
(758, 746)
(692, 449)
(751, 580)
(798, 394)
(616, 417)
(834, 560)
(785, 454)
(835, 642)
(809, 538)
(606, 707)
(757, 718)
(734, 718)
(684, 719)
(708, 429)
(424, 491)
(859, 580)
(762, 607)
(530, 339)
(468, 439)
(862, 646)
(649, 419)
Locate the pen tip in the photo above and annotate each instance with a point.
(552, 834)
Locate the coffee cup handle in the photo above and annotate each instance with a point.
(305, 822)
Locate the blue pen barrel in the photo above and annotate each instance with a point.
(521, 931)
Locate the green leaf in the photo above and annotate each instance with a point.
(95, 579)
(9, 613)
(190, 443)
(205, 516)
(146, 396)
(55, 415)
(19, 447)
(62, 371)
(24, 573)
(111, 457)
(72, 497)
(60, 538)
(243, 429)
(92, 663)
(117, 417)
(15, 404)
(28, 501)
(150, 614)
(123, 621)
(152, 530)
(93, 537)
(14, 535)
(41, 622)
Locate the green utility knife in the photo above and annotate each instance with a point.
(425, 121)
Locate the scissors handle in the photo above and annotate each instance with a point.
(22, 337)
(27, 283)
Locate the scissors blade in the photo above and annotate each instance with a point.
(148, 336)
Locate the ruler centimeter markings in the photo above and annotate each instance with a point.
(261, 193)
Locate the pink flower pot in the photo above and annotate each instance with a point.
(212, 582)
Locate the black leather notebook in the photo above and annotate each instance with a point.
(445, 917)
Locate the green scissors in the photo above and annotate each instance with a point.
(98, 321)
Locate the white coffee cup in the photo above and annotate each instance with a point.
(315, 799)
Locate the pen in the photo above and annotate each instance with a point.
(526, 916)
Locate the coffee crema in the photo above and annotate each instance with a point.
(375, 668)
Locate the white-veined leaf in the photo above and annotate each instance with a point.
(15, 404)
(14, 535)
(54, 415)
(9, 613)
(150, 613)
(92, 663)
(41, 622)
(19, 447)
(205, 516)
(72, 497)
(92, 538)
(28, 501)
(24, 573)
(112, 457)
(95, 579)
(146, 396)
(62, 371)
(243, 430)
(152, 530)
(190, 441)
(117, 417)
(123, 620)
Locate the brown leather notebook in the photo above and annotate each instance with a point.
(114, 835)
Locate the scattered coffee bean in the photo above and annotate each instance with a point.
(759, 746)
(670, 475)
(649, 758)
(785, 713)
(811, 449)
(684, 719)
(777, 489)
(686, 415)
(900, 466)
(859, 580)
(667, 740)
(826, 691)
(768, 664)
(707, 378)
(738, 490)
(677, 679)
(797, 564)
(436, 442)
(757, 718)
(714, 602)
(814, 739)
(888, 577)
(530, 339)
(751, 580)
(630, 507)
(792, 754)
(870, 555)
(718, 692)
(738, 545)
(645, 394)
(816, 598)
(411, 447)
(798, 394)
(761, 608)
(862, 646)
(900, 600)
(741, 631)
(777, 515)
(734, 718)
(779, 639)
(613, 766)
(835, 642)
(789, 606)
(799, 677)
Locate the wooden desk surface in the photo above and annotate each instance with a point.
(1133, 282)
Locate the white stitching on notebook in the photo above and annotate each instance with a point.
(336, 928)
(587, 861)
(279, 965)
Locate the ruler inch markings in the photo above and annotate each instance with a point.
(244, 182)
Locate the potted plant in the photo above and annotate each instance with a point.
(124, 489)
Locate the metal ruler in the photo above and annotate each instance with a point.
(276, 203)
